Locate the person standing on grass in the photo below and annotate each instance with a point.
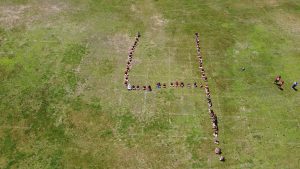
(295, 84)
(129, 87)
(158, 85)
(281, 83)
(149, 88)
(277, 79)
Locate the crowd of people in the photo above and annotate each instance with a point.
(179, 84)
(176, 84)
(212, 114)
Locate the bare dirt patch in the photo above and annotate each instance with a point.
(120, 42)
(255, 4)
(159, 21)
(11, 15)
(14, 15)
(287, 22)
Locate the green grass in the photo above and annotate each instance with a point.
(63, 104)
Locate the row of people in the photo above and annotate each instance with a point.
(213, 116)
(138, 87)
(178, 84)
(129, 60)
(214, 121)
(162, 85)
(207, 93)
(203, 75)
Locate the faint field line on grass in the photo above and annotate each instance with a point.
(154, 90)
(255, 118)
(145, 93)
(155, 61)
(14, 127)
(197, 93)
(169, 77)
(45, 41)
(212, 78)
(172, 140)
(145, 100)
(120, 98)
(236, 117)
(169, 57)
(179, 114)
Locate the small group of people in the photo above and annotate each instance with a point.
(279, 82)
(203, 75)
(178, 84)
(129, 60)
(214, 121)
(138, 87)
(207, 93)
(212, 114)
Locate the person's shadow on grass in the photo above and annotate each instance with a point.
(295, 89)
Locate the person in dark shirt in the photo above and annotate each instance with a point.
(158, 85)
(171, 84)
(295, 84)
(181, 84)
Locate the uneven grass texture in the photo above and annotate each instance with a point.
(63, 104)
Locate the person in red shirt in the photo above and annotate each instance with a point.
(176, 84)
(277, 79)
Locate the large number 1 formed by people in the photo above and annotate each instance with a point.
(212, 114)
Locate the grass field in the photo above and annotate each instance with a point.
(63, 103)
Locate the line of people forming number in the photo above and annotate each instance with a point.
(148, 87)
(212, 114)
(129, 60)
(159, 85)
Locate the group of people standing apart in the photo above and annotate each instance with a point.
(212, 114)
(279, 82)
